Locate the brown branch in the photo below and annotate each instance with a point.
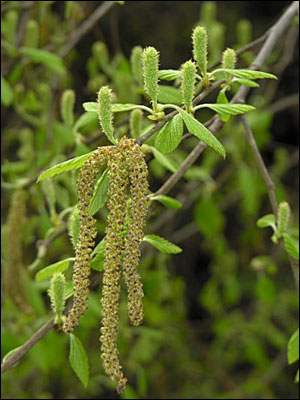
(261, 165)
(269, 185)
(23, 350)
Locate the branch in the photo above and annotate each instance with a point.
(269, 185)
(23, 350)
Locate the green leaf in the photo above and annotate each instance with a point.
(100, 193)
(48, 271)
(291, 246)
(246, 73)
(267, 220)
(202, 133)
(169, 74)
(246, 82)
(167, 201)
(297, 377)
(163, 245)
(163, 160)
(50, 60)
(65, 166)
(84, 120)
(208, 217)
(229, 109)
(169, 137)
(293, 347)
(78, 360)
(222, 99)
(169, 94)
(7, 93)
(123, 107)
(90, 106)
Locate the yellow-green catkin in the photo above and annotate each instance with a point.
(14, 269)
(105, 113)
(100, 55)
(57, 295)
(150, 61)
(137, 168)
(32, 34)
(199, 38)
(114, 244)
(67, 107)
(229, 59)
(136, 64)
(135, 122)
(87, 234)
(284, 213)
(188, 84)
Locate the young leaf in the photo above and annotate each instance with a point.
(169, 74)
(267, 220)
(246, 82)
(202, 133)
(163, 245)
(90, 106)
(229, 109)
(10, 353)
(7, 93)
(49, 60)
(100, 193)
(293, 348)
(167, 201)
(97, 262)
(79, 360)
(291, 246)
(65, 166)
(169, 137)
(222, 99)
(48, 271)
(169, 94)
(246, 73)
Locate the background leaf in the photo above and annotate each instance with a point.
(78, 360)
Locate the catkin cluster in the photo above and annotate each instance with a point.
(124, 232)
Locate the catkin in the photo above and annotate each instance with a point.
(118, 176)
(14, 269)
(87, 234)
(138, 212)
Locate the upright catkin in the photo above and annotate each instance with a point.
(87, 234)
(137, 168)
(118, 194)
(14, 268)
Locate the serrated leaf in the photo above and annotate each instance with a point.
(169, 137)
(10, 353)
(222, 99)
(169, 74)
(100, 195)
(167, 201)
(65, 166)
(229, 109)
(291, 246)
(7, 93)
(169, 94)
(163, 245)
(90, 106)
(196, 128)
(267, 220)
(246, 82)
(48, 271)
(163, 160)
(293, 348)
(49, 60)
(79, 360)
(246, 73)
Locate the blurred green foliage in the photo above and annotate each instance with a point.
(219, 315)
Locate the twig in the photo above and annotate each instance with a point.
(269, 185)
(261, 165)
(23, 350)
(284, 103)
(86, 26)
